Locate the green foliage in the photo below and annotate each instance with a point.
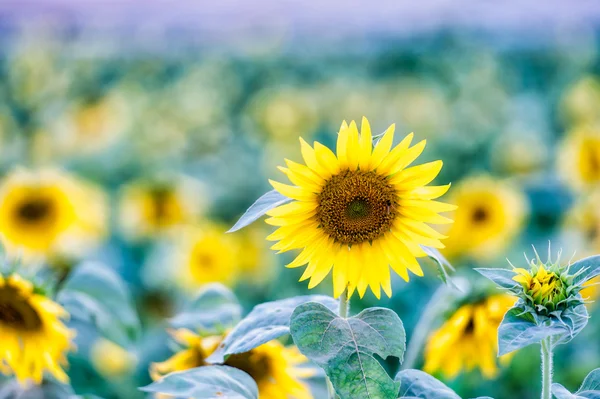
(208, 382)
(214, 310)
(264, 323)
(266, 202)
(585, 269)
(345, 348)
(418, 384)
(443, 266)
(95, 294)
(589, 389)
(501, 277)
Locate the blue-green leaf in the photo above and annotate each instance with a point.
(49, 389)
(573, 320)
(214, 310)
(585, 269)
(95, 293)
(265, 203)
(590, 388)
(501, 277)
(345, 348)
(418, 384)
(443, 266)
(519, 330)
(208, 382)
(264, 323)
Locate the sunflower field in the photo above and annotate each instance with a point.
(269, 202)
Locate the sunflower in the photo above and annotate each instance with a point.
(490, 213)
(469, 339)
(363, 205)
(579, 158)
(150, 208)
(581, 102)
(34, 339)
(273, 366)
(110, 359)
(205, 254)
(48, 212)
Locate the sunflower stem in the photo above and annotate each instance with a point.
(546, 368)
(342, 312)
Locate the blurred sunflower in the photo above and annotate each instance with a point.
(203, 255)
(469, 339)
(148, 208)
(34, 338)
(48, 212)
(363, 205)
(273, 366)
(490, 213)
(110, 359)
(579, 158)
(581, 102)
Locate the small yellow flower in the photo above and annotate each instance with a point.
(48, 212)
(151, 208)
(581, 102)
(34, 339)
(469, 339)
(274, 367)
(359, 212)
(110, 359)
(544, 287)
(489, 214)
(579, 158)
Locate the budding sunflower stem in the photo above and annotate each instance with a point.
(546, 368)
(342, 312)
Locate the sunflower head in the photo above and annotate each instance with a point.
(34, 338)
(110, 359)
(469, 339)
(360, 211)
(579, 157)
(272, 366)
(547, 287)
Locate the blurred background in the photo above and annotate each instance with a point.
(163, 121)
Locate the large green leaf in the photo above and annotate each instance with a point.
(214, 310)
(585, 269)
(264, 323)
(418, 384)
(208, 382)
(590, 388)
(502, 277)
(265, 203)
(94, 293)
(345, 348)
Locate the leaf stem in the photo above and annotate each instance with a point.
(342, 312)
(546, 368)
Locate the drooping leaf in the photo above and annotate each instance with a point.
(346, 348)
(574, 320)
(589, 389)
(418, 384)
(266, 202)
(585, 269)
(208, 382)
(501, 277)
(214, 309)
(264, 323)
(95, 293)
(443, 266)
(518, 330)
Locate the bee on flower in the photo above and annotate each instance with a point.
(468, 340)
(35, 339)
(275, 368)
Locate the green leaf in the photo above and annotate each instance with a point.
(265, 203)
(573, 320)
(264, 323)
(501, 277)
(214, 310)
(585, 269)
(443, 266)
(418, 384)
(49, 389)
(94, 293)
(207, 382)
(345, 348)
(590, 388)
(519, 329)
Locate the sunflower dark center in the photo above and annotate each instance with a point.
(480, 215)
(257, 365)
(35, 210)
(356, 206)
(16, 312)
